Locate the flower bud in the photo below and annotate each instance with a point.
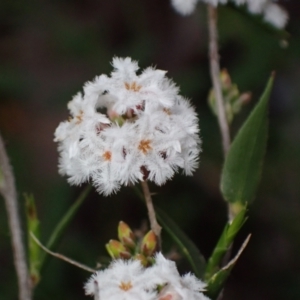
(116, 250)
(233, 99)
(142, 258)
(126, 235)
(149, 244)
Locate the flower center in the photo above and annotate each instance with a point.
(132, 86)
(145, 146)
(79, 117)
(125, 286)
(107, 155)
(167, 111)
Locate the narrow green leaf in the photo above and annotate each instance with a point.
(34, 251)
(224, 244)
(64, 222)
(243, 164)
(216, 283)
(185, 245)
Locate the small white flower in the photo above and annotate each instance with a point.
(123, 280)
(275, 15)
(129, 280)
(127, 128)
(272, 13)
(184, 7)
(164, 273)
(256, 6)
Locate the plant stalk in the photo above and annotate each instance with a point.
(9, 193)
(215, 76)
(151, 212)
(214, 60)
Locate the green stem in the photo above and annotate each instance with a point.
(224, 244)
(151, 211)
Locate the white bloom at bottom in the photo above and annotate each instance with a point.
(123, 280)
(164, 273)
(129, 280)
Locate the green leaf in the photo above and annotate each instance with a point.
(243, 164)
(34, 251)
(64, 222)
(186, 246)
(216, 283)
(224, 243)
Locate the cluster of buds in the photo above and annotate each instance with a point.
(130, 247)
(233, 99)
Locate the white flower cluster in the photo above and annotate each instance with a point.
(129, 280)
(272, 12)
(126, 128)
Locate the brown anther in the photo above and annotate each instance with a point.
(167, 111)
(133, 86)
(107, 155)
(145, 146)
(79, 117)
(125, 286)
(163, 154)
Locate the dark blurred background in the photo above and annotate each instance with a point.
(48, 49)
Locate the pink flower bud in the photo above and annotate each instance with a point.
(126, 235)
(149, 244)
